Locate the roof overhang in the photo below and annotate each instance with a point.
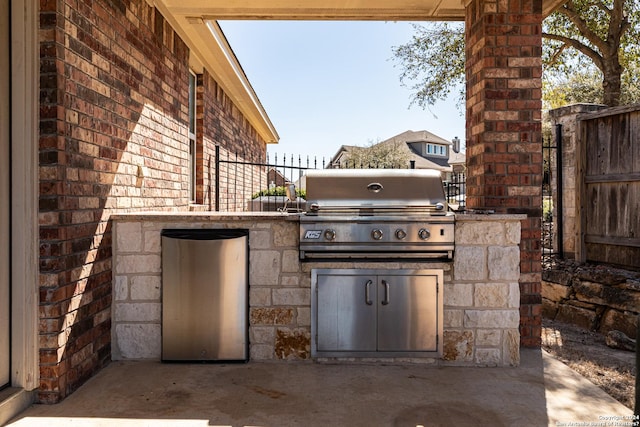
(209, 49)
(310, 10)
(195, 22)
(358, 10)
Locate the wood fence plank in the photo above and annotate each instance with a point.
(608, 186)
(634, 137)
(618, 177)
(581, 188)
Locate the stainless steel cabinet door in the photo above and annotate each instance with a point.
(204, 297)
(407, 313)
(348, 307)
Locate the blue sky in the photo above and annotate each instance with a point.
(332, 83)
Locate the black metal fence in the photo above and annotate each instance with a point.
(552, 244)
(455, 189)
(248, 186)
(255, 186)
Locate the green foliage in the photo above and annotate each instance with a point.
(584, 42)
(278, 191)
(631, 84)
(547, 209)
(583, 34)
(382, 155)
(583, 86)
(433, 63)
(581, 31)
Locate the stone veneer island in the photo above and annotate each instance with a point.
(481, 291)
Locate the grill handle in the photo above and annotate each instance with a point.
(367, 293)
(385, 301)
(375, 187)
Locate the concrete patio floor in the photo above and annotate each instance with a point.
(541, 392)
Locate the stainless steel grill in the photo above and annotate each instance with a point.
(376, 213)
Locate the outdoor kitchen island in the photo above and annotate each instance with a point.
(481, 298)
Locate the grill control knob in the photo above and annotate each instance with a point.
(376, 234)
(330, 234)
(424, 234)
(400, 234)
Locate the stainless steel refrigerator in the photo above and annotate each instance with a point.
(205, 295)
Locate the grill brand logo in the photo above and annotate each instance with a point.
(313, 234)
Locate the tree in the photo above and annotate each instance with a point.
(580, 34)
(433, 62)
(387, 154)
(595, 31)
(581, 86)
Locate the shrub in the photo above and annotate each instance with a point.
(547, 210)
(278, 191)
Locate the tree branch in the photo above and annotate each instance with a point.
(568, 10)
(557, 53)
(586, 50)
(618, 24)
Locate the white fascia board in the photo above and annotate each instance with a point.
(231, 70)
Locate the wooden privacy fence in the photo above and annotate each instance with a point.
(608, 186)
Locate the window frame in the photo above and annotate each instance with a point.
(192, 132)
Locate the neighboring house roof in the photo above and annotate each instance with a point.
(342, 152)
(457, 158)
(420, 136)
(276, 177)
(404, 141)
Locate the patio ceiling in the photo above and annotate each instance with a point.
(195, 22)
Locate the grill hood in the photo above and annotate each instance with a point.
(338, 189)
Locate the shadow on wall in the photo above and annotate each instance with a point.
(113, 111)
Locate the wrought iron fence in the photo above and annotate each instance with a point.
(455, 189)
(242, 185)
(246, 186)
(551, 189)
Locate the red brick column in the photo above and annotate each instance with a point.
(504, 160)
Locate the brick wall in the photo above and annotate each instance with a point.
(504, 151)
(239, 180)
(222, 124)
(113, 104)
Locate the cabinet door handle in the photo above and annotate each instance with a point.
(385, 301)
(367, 293)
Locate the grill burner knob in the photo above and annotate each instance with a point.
(400, 234)
(424, 234)
(376, 234)
(330, 234)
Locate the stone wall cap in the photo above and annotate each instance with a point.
(575, 109)
(247, 216)
(203, 216)
(489, 217)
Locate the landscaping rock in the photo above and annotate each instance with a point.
(576, 316)
(617, 339)
(601, 274)
(625, 322)
(597, 297)
(555, 292)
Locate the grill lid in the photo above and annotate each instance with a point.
(334, 190)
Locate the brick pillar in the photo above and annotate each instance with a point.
(504, 149)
